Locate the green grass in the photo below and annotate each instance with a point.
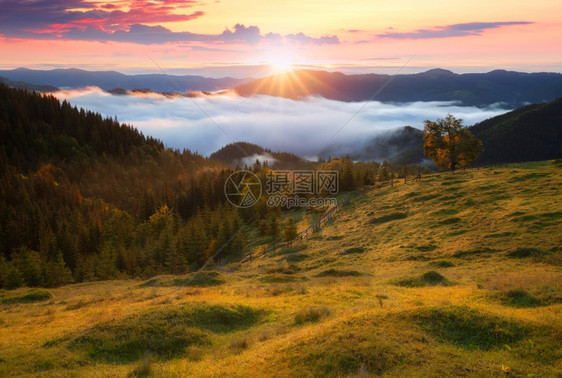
(278, 278)
(384, 289)
(388, 218)
(529, 176)
(468, 328)
(31, 297)
(500, 235)
(353, 250)
(431, 278)
(521, 253)
(338, 273)
(442, 264)
(445, 212)
(426, 248)
(164, 332)
(198, 279)
(426, 198)
(311, 315)
(519, 298)
(449, 221)
(474, 252)
(295, 257)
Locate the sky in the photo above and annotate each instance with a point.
(238, 38)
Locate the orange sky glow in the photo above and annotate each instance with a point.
(353, 36)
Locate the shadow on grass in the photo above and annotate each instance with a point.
(310, 315)
(519, 298)
(431, 278)
(339, 273)
(521, 253)
(164, 333)
(388, 218)
(279, 278)
(474, 252)
(198, 279)
(31, 297)
(467, 328)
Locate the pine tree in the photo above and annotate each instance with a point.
(347, 180)
(56, 272)
(105, 263)
(12, 278)
(290, 232)
(274, 228)
(175, 261)
(30, 265)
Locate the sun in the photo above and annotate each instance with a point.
(281, 60)
(281, 65)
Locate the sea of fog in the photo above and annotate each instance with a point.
(207, 123)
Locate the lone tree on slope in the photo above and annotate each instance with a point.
(449, 144)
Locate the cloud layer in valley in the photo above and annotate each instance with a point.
(207, 123)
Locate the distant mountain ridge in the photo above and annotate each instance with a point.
(106, 80)
(28, 86)
(473, 89)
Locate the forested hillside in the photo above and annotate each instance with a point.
(84, 197)
(529, 133)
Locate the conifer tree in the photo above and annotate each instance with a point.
(56, 272)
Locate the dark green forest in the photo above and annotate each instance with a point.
(529, 133)
(83, 197)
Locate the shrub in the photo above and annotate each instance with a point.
(12, 278)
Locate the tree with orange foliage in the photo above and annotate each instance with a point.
(449, 144)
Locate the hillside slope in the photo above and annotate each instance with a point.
(245, 154)
(532, 132)
(451, 275)
(84, 197)
(529, 133)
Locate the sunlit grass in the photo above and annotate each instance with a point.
(453, 275)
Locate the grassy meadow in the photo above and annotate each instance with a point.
(454, 275)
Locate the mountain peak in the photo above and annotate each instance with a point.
(438, 72)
